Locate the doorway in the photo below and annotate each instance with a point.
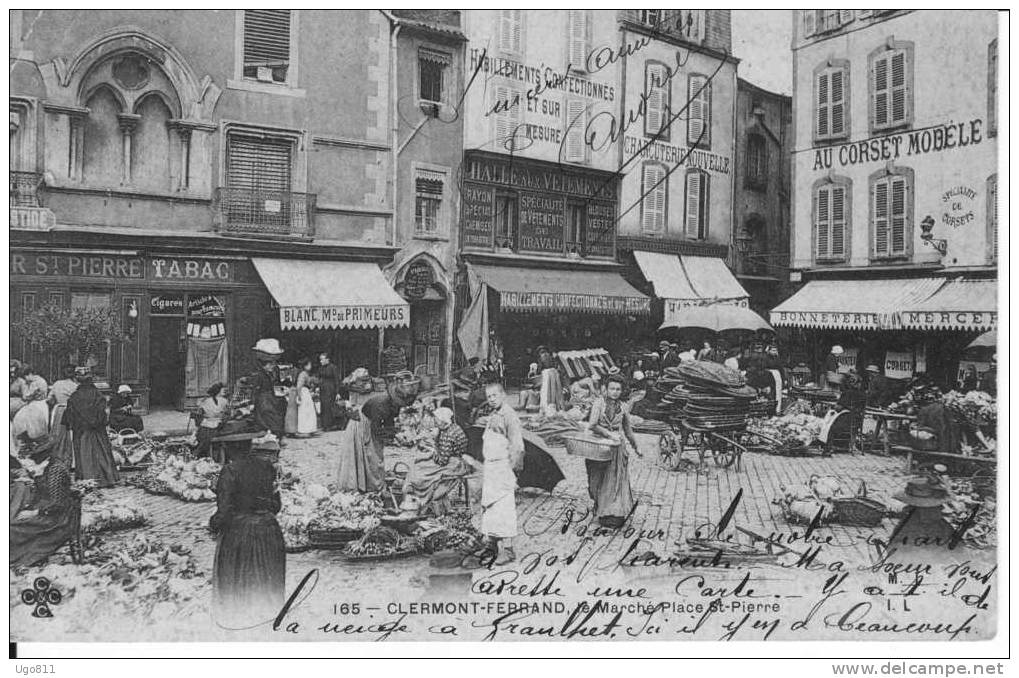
(166, 362)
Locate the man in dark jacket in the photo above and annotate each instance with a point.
(878, 389)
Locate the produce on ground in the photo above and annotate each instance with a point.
(916, 397)
(380, 541)
(983, 533)
(101, 513)
(312, 506)
(976, 407)
(792, 430)
(193, 480)
(454, 531)
(145, 584)
(416, 427)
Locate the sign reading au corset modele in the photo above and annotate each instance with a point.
(343, 316)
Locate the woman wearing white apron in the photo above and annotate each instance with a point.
(503, 451)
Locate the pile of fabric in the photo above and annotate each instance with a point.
(144, 585)
(551, 427)
(193, 480)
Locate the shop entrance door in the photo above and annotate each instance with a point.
(166, 361)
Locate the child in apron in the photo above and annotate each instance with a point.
(503, 450)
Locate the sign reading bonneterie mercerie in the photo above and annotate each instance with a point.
(343, 316)
(824, 319)
(951, 320)
(577, 303)
(899, 364)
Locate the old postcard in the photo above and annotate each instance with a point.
(504, 325)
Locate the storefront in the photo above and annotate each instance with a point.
(186, 321)
(423, 346)
(342, 308)
(907, 327)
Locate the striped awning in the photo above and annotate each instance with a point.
(332, 294)
(854, 304)
(563, 291)
(690, 278)
(958, 305)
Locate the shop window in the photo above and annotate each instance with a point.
(658, 90)
(576, 126)
(428, 203)
(510, 30)
(576, 227)
(505, 220)
(891, 86)
(757, 162)
(992, 218)
(578, 34)
(94, 301)
(698, 122)
(891, 213)
(267, 44)
(506, 104)
(432, 67)
(654, 191)
(831, 95)
(697, 190)
(992, 88)
(832, 201)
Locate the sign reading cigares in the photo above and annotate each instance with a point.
(537, 198)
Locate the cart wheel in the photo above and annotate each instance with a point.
(668, 449)
(723, 452)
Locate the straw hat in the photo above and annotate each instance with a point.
(873, 368)
(268, 346)
(123, 388)
(923, 492)
(837, 350)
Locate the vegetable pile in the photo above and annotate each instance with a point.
(380, 542)
(983, 533)
(793, 431)
(454, 530)
(100, 513)
(416, 427)
(916, 397)
(193, 480)
(311, 506)
(976, 407)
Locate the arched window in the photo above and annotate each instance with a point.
(104, 162)
(150, 146)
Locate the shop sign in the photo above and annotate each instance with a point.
(951, 320)
(542, 223)
(477, 212)
(824, 319)
(84, 265)
(33, 218)
(675, 155)
(343, 317)
(601, 229)
(514, 173)
(166, 304)
(673, 306)
(847, 361)
(899, 364)
(418, 279)
(206, 306)
(958, 206)
(561, 301)
(891, 147)
(191, 269)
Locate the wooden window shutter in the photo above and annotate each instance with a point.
(881, 217)
(699, 111)
(823, 107)
(838, 222)
(654, 117)
(654, 187)
(579, 35)
(266, 37)
(809, 22)
(898, 189)
(882, 91)
(576, 120)
(897, 87)
(509, 30)
(837, 105)
(822, 221)
(705, 202)
(258, 164)
(694, 190)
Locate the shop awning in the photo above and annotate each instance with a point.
(690, 278)
(535, 289)
(958, 305)
(853, 304)
(332, 294)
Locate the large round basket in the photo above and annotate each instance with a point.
(589, 447)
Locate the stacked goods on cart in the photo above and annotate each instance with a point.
(794, 433)
(710, 395)
(190, 480)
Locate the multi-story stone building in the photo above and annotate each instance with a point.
(218, 176)
(762, 187)
(894, 185)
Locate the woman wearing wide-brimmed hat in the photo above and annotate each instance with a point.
(923, 529)
(249, 571)
(268, 409)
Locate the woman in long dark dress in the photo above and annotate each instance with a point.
(250, 568)
(329, 379)
(268, 408)
(609, 481)
(86, 417)
(57, 515)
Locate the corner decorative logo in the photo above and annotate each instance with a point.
(42, 595)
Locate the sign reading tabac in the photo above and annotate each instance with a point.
(174, 268)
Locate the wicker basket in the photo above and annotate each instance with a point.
(858, 511)
(332, 539)
(595, 449)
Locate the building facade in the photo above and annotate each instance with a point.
(763, 194)
(540, 188)
(677, 159)
(216, 177)
(895, 184)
